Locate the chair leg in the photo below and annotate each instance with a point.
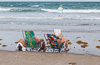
(40, 49)
(53, 50)
(59, 50)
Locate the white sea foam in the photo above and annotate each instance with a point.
(5, 9)
(11, 5)
(73, 11)
(60, 24)
(67, 18)
(34, 5)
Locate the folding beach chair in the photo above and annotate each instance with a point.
(53, 42)
(29, 35)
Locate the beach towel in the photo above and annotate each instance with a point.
(52, 41)
(30, 39)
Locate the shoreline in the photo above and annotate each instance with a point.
(10, 37)
(49, 52)
(92, 31)
(38, 58)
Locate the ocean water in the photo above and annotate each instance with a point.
(80, 19)
(30, 12)
(48, 10)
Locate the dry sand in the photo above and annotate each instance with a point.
(39, 58)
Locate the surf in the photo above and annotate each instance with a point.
(73, 11)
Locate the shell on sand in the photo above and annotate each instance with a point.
(0, 43)
(4, 45)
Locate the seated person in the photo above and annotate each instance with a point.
(21, 45)
(62, 40)
(40, 43)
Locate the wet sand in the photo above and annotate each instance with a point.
(39, 58)
(10, 37)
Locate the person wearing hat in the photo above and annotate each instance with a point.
(60, 10)
(21, 46)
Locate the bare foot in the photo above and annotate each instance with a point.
(44, 49)
(67, 49)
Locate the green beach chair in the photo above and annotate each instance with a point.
(52, 40)
(29, 35)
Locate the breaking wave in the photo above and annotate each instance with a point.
(73, 11)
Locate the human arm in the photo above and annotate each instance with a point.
(61, 36)
(37, 39)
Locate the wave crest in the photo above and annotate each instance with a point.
(5, 9)
(73, 11)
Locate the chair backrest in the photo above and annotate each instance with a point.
(30, 39)
(52, 41)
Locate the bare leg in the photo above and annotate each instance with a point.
(66, 43)
(61, 15)
(43, 46)
(58, 15)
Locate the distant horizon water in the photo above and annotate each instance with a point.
(48, 10)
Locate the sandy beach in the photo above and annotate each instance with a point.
(82, 56)
(81, 21)
(39, 58)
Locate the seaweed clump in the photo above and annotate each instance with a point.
(0, 39)
(85, 45)
(4, 45)
(69, 43)
(16, 42)
(78, 37)
(72, 63)
(98, 47)
(98, 40)
(79, 42)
